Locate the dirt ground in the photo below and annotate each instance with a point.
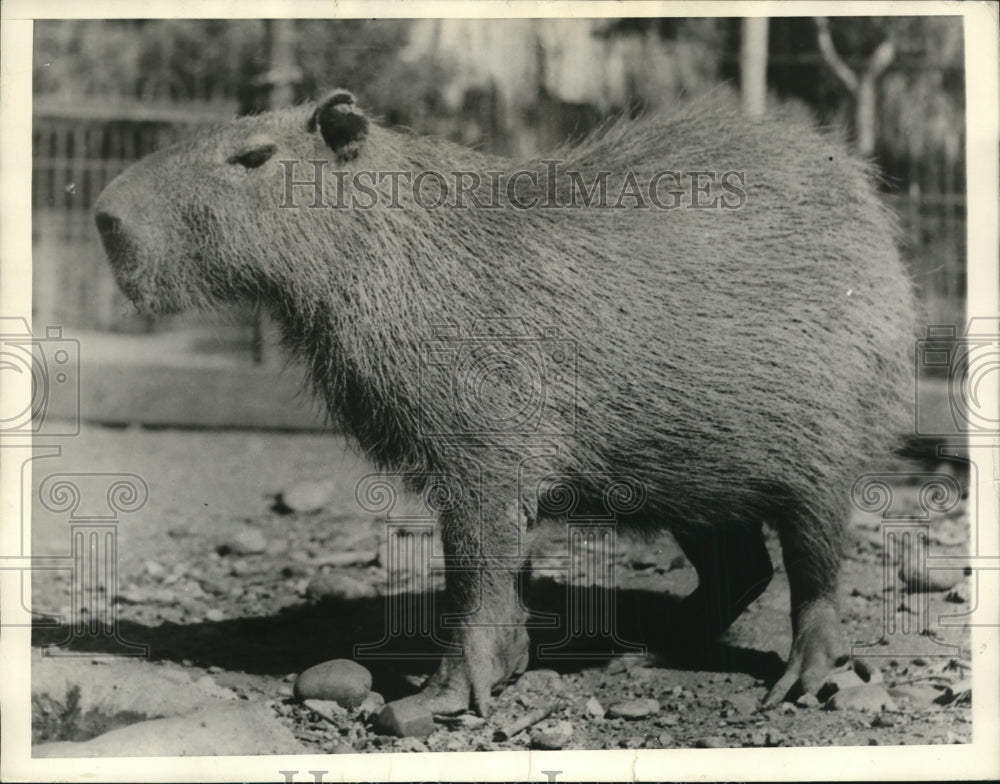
(235, 594)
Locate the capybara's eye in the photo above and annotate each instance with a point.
(258, 156)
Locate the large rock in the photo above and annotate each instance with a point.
(246, 729)
(341, 680)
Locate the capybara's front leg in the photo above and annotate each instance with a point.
(485, 618)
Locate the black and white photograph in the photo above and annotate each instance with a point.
(499, 391)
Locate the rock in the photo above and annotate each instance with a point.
(594, 708)
(332, 711)
(634, 709)
(339, 586)
(470, 721)
(838, 681)
(883, 720)
(215, 615)
(347, 558)
(155, 570)
(634, 742)
(341, 680)
(742, 704)
(308, 495)
(871, 697)
(666, 740)
(247, 729)
(957, 692)
(546, 681)
(410, 744)
(807, 701)
(711, 742)
(615, 667)
(405, 719)
(243, 541)
(916, 580)
(371, 707)
(342, 748)
(551, 735)
(959, 594)
(915, 693)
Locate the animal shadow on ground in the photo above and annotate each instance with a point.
(308, 634)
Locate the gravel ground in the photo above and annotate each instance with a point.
(235, 594)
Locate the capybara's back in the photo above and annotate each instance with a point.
(710, 305)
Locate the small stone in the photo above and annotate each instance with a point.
(957, 692)
(666, 740)
(326, 709)
(470, 721)
(155, 570)
(371, 707)
(711, 742)
(413, 745)
(215, 615)
(594, 708)
(634, 709)
(342, 748)
(787, 708)
(883, 720)
(547, 681)
(838, 681)
(350, 558)
(551, 735)
(807, 701)
(916, 580)
(404, 719)
(341, 680)
(243, 541)
(959, 594)
(916, 693)
(339, 586)
(615, 667)
(742, 704)
(633, 742)
(871, 697)
(308, 495)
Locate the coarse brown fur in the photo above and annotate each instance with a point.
(739, 364)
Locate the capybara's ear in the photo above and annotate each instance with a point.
(342, 125)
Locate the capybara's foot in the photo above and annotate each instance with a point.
(490, 657)
(816, 650)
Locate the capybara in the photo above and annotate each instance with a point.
(709, 305)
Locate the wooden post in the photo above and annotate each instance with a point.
(753, 66)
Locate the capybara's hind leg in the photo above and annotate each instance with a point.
(733, 568)
(817, 643)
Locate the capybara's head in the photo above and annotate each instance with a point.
(219, 216)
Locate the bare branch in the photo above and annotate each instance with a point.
(829, 52)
